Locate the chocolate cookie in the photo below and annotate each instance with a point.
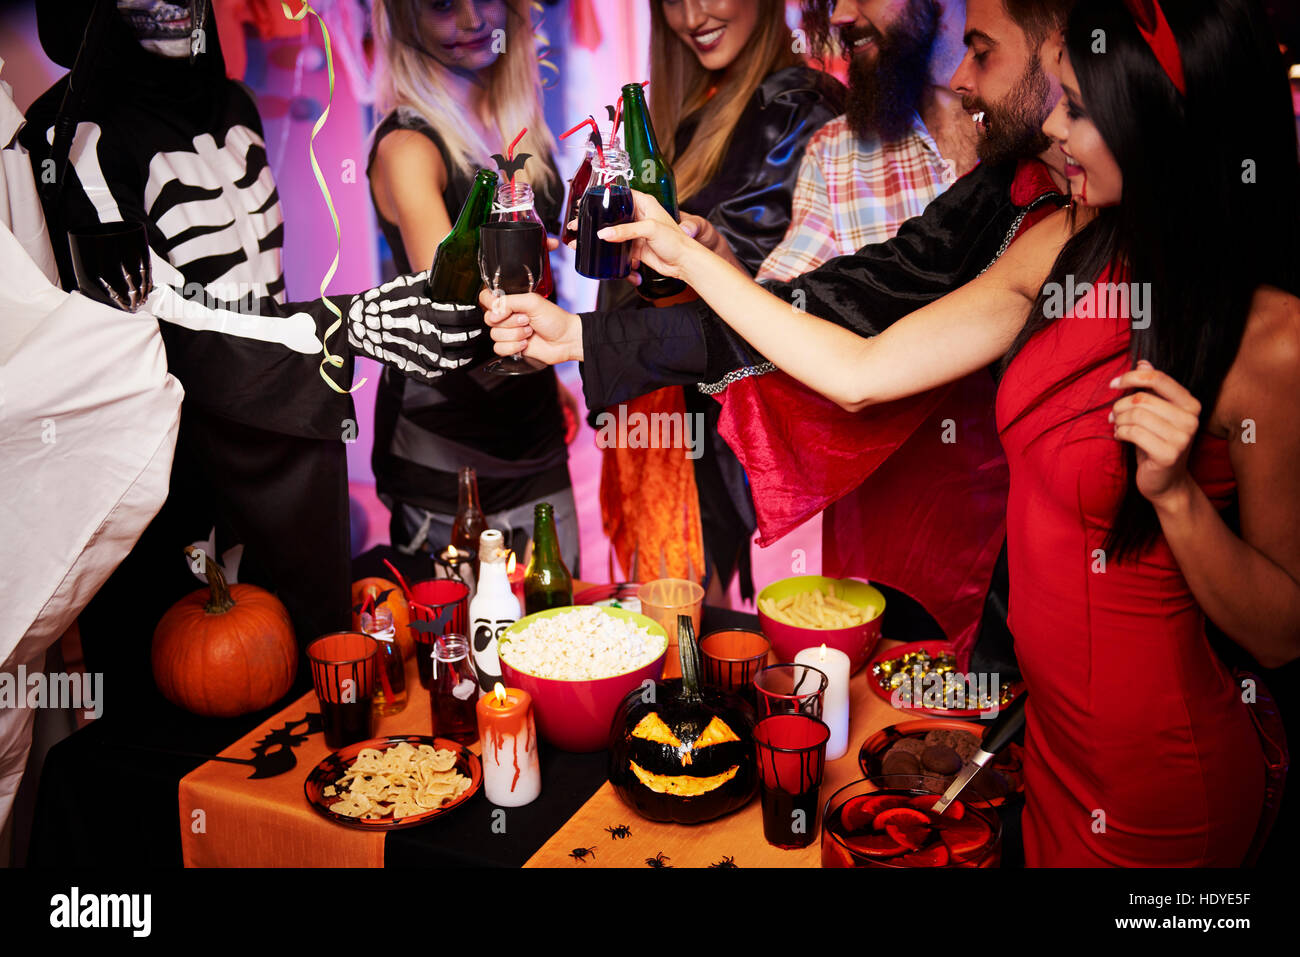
(941, 760)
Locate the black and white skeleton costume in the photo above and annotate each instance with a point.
(171, 142)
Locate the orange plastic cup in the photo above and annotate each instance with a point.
(663, 600)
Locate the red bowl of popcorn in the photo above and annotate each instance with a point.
(578, 664)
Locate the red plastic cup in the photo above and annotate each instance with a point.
(791, 752)
(439, 607)
(344, 666)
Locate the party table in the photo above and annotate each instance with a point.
(151, 784)
(112, 792)
(737, 838)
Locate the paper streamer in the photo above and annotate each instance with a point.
(330, 358)
(544, 62)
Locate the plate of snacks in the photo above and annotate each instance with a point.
(922, 678)
(928, 753)
(810, 610)
(385, 784)
(620, 595)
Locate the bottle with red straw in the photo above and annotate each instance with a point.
(578, 184)
(515, 204)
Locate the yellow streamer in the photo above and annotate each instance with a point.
(330, 358)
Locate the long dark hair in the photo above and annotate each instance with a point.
(1211, 197)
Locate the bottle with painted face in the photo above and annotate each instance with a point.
(607, 202)
(493, 609)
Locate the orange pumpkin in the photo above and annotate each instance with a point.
(383, 592)
(224, 650)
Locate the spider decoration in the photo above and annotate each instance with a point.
(619, 832)
(580, 853)
(658, 860)
(727, 862)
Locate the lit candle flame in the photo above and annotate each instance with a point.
(500, 692)
(822, 653)
(510, 564)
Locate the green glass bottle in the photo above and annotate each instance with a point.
(547, 582)
(650, 174)
(454, 276)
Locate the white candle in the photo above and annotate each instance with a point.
(508, 734)
(835, 702)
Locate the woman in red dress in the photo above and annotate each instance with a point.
(1150, 340)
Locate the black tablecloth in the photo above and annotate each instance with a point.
(108, 794)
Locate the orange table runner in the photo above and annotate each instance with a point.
(231, 820)
(738, 836)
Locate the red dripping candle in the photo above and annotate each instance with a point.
(508, 735)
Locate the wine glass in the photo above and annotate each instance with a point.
(511, 257)
(111, 263)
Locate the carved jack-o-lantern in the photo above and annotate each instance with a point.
(683, 753)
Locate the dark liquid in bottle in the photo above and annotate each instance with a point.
(345, 723)
(779, 817)
(453, 717)
(603, 206)
(577, 189)
(514, 254)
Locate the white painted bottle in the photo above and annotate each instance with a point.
(493, 609)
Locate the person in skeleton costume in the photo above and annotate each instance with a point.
(153, 131)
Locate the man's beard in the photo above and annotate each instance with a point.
(1014, 127)
(885, 92)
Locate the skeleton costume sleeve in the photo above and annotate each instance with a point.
(185, 155)
(260, 468)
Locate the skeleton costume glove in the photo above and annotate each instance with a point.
(396, 325)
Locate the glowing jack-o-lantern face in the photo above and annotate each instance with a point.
(652, 728)
(683, 753)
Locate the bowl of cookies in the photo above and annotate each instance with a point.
(811, 610)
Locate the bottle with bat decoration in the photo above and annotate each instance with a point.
(515, 204)
(493, 609)
(454, 275)
(650, 174)
(390, 688)
(547, 583)
(577, 187)
(606, 202)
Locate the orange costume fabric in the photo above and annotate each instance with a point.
(648, 500)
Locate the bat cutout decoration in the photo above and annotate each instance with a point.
(509, 167)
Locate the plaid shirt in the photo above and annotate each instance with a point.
(853, 192)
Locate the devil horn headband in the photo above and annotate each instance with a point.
(1153, 26)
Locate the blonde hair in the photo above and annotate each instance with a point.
(679, 86)
(413, 81)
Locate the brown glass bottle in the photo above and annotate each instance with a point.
(547, 583)
(470, 523)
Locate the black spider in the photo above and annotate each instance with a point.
(726, 862)
(658, 860)
(620, 831)
(580, 853)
